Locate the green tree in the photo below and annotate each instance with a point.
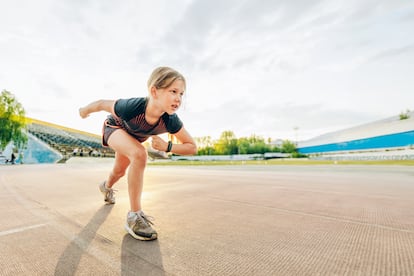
(258, 145)
(405, 115)
(205, 145)
(227, 144)
(288, 147)
(12, 121)
(244, 145)
(252, 144)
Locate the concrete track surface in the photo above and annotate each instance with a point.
(234, 220)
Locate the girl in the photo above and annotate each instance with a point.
(131, 122)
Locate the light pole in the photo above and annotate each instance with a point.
(296, 135)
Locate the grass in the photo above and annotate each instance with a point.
(275, 162)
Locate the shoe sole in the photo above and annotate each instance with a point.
(109, 202)
(132, 233)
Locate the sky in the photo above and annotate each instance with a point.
(280, 69)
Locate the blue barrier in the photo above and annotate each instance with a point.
(38, 152)
(402, 139)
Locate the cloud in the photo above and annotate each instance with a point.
(391, 53)
(269, 119)
(226, 34)
(252, 67)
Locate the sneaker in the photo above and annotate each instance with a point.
(108, 193)
(139, 226)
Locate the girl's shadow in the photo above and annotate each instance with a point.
(137, 257)
(141, 257)
(71, 256)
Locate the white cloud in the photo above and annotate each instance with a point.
(252, 67)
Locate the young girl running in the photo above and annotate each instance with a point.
(130, 123)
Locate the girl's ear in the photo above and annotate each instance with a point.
(153, 91)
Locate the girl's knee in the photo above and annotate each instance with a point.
(139, 155)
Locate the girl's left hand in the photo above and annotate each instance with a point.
(158, 143)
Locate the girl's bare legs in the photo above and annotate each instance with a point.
(118, 171)
(128, 152)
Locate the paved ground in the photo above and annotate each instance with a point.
(245, 220)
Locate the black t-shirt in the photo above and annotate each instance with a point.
(130, 116)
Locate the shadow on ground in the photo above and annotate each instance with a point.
(71, 256)
(141, 257)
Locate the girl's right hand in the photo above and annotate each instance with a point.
(83, 113)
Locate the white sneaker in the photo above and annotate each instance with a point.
(108, 193)
(139, 226)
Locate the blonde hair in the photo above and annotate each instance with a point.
(163, 77)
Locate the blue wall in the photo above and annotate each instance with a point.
(36, 152)
(402, 139)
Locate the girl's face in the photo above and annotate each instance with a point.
(171, 97)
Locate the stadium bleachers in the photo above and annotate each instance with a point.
(68, 142)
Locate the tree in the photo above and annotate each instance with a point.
(227, 144)
(244, 145)
(258, 145)
(288, 147)
(12, 121)
(405, 115)
(205, 145)
(252, 144)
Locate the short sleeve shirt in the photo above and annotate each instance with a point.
(130, 116)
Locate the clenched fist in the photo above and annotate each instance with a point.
(83, 112)
(158, 143)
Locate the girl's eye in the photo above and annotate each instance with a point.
(175, 92)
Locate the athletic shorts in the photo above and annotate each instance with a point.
(107, 130)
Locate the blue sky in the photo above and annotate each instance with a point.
(253, 67)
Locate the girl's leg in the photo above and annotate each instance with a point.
(119, 169)
(128, 152)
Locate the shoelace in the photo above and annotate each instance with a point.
(145, 220)
(110, 192)
(148, 219)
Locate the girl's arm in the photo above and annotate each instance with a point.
(187, 146)
(99, 105)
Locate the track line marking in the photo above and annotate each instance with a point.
(21, 229)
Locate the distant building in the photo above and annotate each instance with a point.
(384, 135)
